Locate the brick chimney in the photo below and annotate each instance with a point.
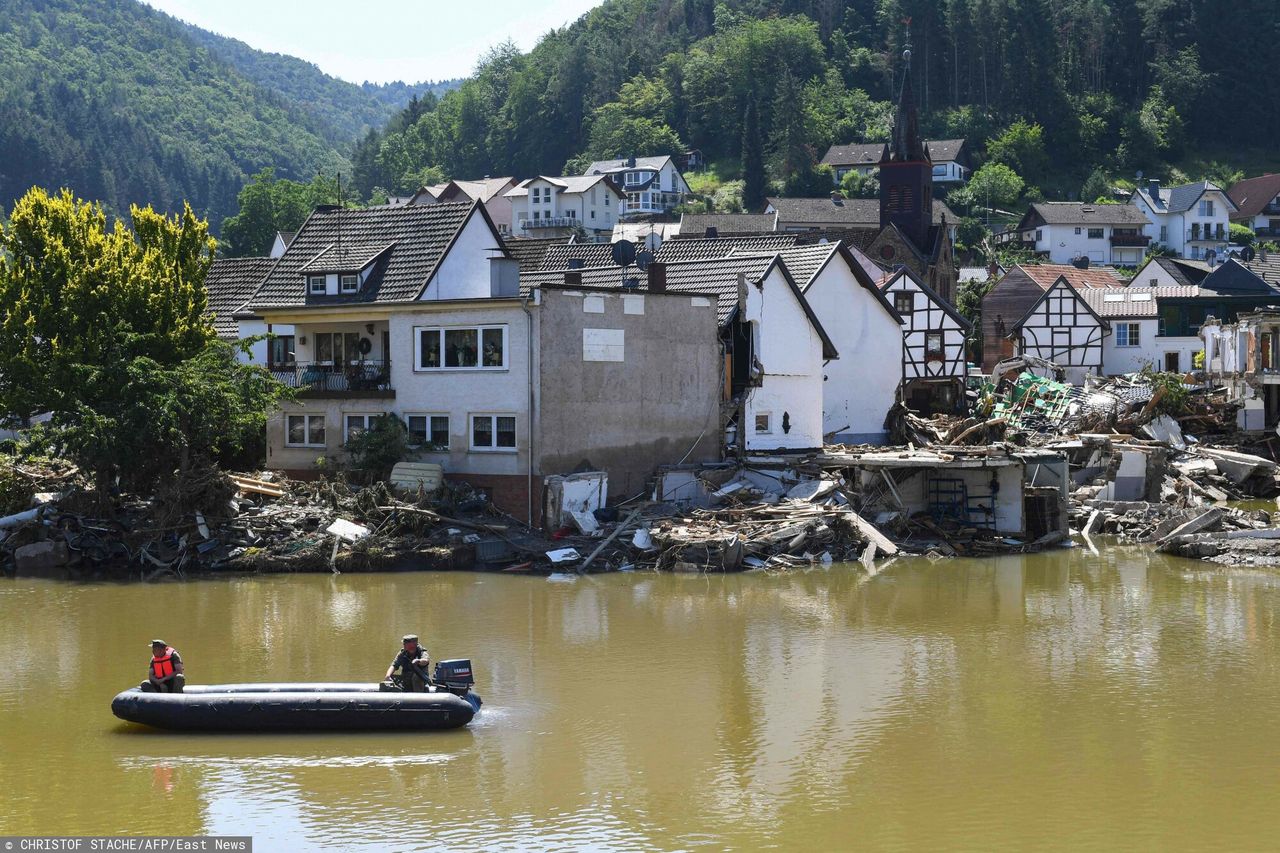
(657, 277)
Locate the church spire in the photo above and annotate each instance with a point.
(906, 145)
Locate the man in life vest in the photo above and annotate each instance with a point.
(164, 675)
(412, 661)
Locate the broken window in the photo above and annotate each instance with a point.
(763, 426)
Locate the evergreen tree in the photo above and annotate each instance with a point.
(753, 188)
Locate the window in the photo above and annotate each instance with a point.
(593, 214)
(493, 432)
(1039, 235)
(537, 214)
(763, 426)
(353, 425)
(1077, 230)
(349, 283)
(1154, 282)
(337, 347)
(304, 431)
(1206, 207)
(1095, 233)
(470, 348)
(280, 350)
(316, 284)
(902, 302)
(1164, 233)
(933, 345)
(431, 431)
(1126, 334)
(572, 214)
(606, 199)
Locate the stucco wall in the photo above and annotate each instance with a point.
(861, 384)
(653, 405)
(1150, 350)
(464, 272)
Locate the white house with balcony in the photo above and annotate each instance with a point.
(653, 185)
(950, 159)
(565, 206)
(1065, 231)
(1192, 220)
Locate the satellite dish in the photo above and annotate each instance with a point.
(653, 241)
(623, 253)
(643, 258)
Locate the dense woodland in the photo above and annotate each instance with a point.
(1116, 86)
(126, 105)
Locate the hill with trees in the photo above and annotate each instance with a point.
(127, 105)
(1107, 86)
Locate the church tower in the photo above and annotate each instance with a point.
(906, 174)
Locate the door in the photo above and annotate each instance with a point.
(1171, 363)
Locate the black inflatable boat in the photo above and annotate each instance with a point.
(307, 706)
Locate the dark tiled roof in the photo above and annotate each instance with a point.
(1267, 268)
(726, 224)
(418, 235)
(849, 211)
(229, 284)
(1177, 199)
(941, 150)
(529, 251)
(803, 262)
(1234, 278)
(557, 257)
(1133, 301)
(672, 251)
(856, 238)
(1079, 213)
(343, 258)
(604, 167)
(1185, 273)
(1253, 194)
(854, 154)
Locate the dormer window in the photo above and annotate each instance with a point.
(350, 283)
(315, 283)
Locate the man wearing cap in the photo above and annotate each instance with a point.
(165, 674)
(412, 661)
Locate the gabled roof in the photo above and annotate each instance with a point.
(344, 257)
(979, 274)
(1060, 282)
(1081, 213)
(727, 224)
(941, 150)
(1046, 275)
(566, 184)
(604, 167)
(286, 237)
(806, 262)
(529, 251)
(855, 154)
(928, 291)
(680, 249)
(1133, 301)
(229, 283)
(846, 211)
(481, 190)
(714, 276)
(590, 254)
(1180, 198)
(416, 238)
(1233, 278)
(1252, 194)
(1266, 265)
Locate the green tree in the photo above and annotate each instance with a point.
(855, 185)
(753, 186)
(1242, 235)
(995, 184)
(268, 204)
(1021, 147)
(1097, 188)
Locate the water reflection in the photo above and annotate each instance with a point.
(1060, 700)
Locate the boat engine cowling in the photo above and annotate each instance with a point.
(454, 676)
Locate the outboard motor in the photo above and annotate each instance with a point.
(454, 676)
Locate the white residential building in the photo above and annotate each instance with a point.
(1257, 202)
(1192, 220)
(563, 206)
(1064, 231)
(652, 184)
(1138, 338)
(949, 157)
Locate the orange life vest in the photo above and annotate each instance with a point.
(162, 665)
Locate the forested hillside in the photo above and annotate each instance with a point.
(1116, 85)
(124, 104)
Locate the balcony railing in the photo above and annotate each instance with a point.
(358, 378)
(1130, 239)
(552, 222)
(1206, 235)
(1267, 233)
(1271, 209)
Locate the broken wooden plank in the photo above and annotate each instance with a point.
(869, 530)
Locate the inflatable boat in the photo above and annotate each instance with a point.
(307, 706)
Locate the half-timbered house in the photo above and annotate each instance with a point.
(933, 345)
(1061, 327)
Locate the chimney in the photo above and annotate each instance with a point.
(657, 277)
(1153, 189)
(1080, 263)
(571, 277)
(837, 198)
(742, 291)
(631, 162)
(712, 231)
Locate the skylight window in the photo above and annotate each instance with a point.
(1140, 297)
(1113, 297)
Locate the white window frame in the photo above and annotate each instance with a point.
(479, 330)
(1096, 234)
(346, 427)
(427, 416)
(941, 351)
(312, 281)
(1132, 335)
(306, 430)
(768, 423)
(1206, 207)
(354, 281)
(493, 431)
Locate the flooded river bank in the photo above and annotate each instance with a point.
(1058, 701)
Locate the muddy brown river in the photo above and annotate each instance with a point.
(1058, 701)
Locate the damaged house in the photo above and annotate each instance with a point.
(1244, 356)
(417, 311)
(933, 345)
(1062, 328)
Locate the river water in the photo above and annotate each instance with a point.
(1058, 701)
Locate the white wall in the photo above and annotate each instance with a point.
(464, 272)
(790, 350)
(1178, 225)
(927, 316)
(862, 383)
(258, 352)
(1150, 350)
(1063, 245)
